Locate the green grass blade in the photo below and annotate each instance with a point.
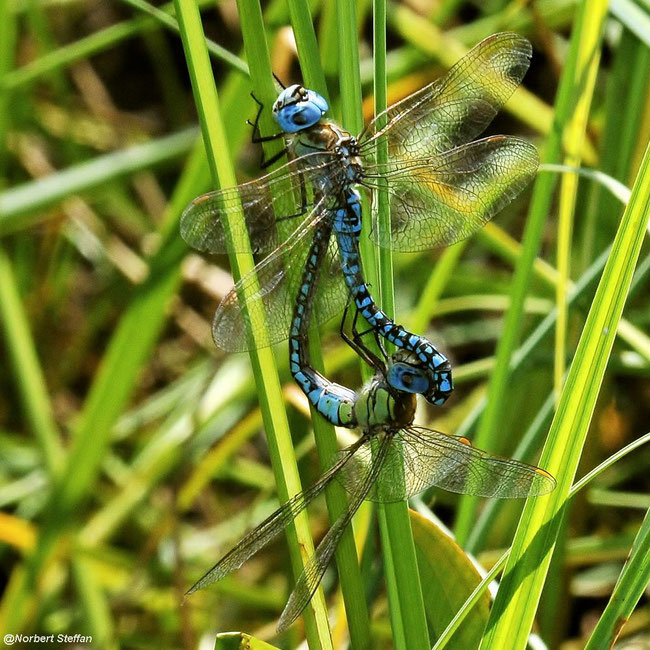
(621, 142)
(29, 375)
(80, 49)
(262, 359)
(307, 45)
(7, 54)
(96, 609)
(514, 608)
(587, 69)
(629, 588)
(408, 617)
(584, 44)
(22, 206)
(633, 17)
(347, 564)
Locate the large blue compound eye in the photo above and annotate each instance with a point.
(298, 108)
(407, 379)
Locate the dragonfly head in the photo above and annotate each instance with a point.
(407, 373)
(407, 378)
(298, 108)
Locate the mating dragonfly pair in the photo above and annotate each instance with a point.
(442, 186)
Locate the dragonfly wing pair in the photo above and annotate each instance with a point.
(455, 108)
(394, 466)
(274, 524)
(442, 189)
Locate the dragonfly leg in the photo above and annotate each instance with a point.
(359, 335)
(258, 138)
(304, 206)
(264, 162)
(275, 76)
(356, 342)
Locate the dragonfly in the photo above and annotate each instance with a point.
(403, 372)
(442, 186)
(392, 460)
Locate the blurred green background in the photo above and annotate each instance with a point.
(132, 452)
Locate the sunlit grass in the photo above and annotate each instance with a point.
(130, 450)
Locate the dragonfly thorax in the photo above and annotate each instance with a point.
(379, 407)
(298, 108)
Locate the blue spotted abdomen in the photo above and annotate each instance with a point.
(333, 401)
(347, 225)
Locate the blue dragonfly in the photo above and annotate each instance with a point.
(392, 459)
(442, 187)
(403, 371)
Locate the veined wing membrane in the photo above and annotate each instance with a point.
(312, 574)
(457, 107)
(418, 458)
(282, 194)
(275, 523)
(274, 284)
(435, 459)
(439, 200)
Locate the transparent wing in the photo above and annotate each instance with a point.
(312, 574)
(419, 458)
(397, 480)
(434, 458)
(260, 536)
(281, 195)
(271, 289)
(438, 201)
(455, 108)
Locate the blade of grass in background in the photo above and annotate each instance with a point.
(347, 563)
(408, 618)
(574, 135)
(514, 608)
(20, 206)
(262, 359)
(307, 45)
(29, 375)
(100, 41)
(585, 38)
(625, 130)
(629, 588)
(171, 23)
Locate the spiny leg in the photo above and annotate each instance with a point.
(359, 335)
(258, 138)
(356, 342)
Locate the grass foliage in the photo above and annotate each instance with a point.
(133, 453)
